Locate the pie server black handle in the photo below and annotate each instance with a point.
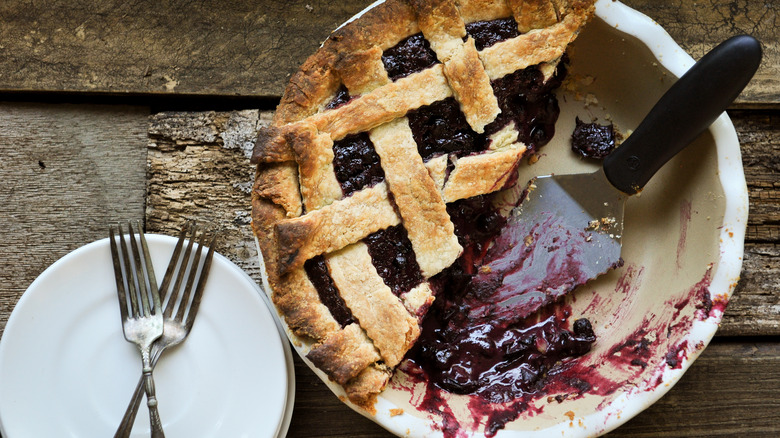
(685, 111)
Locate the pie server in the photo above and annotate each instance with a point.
(584, 212)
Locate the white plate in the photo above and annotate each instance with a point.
(66, 369)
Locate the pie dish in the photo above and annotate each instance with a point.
(381, 153)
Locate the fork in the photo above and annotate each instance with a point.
(176, 325)
(140, 307)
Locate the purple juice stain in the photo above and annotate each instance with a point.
(478, 338)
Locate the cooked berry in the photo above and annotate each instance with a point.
(592, 140)
(342, 96)
(356, 163)
(411, 55)
(393, 257)
(441, 128)
(487, 33)
(317, 271)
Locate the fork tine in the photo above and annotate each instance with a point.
(204, 274)
(139, 272)
(182, 270)
(191, 278)
(149, 271)
(131, 291)
(173, 263)
(120, 282)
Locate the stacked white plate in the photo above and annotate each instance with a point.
(66, 369)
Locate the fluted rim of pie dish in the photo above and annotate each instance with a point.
(724, 276)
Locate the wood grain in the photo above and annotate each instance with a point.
(698, 26)
(210, 47)
(67, 172)
(250, 48)
(759, 137)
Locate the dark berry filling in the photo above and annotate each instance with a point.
(481, 336)
(317, 270)
(411, 55)
(393, 257)
(497, 362)
(524, 98)
(487, 33)
(342, 96)
(592, 140)
(356, 163)
(529, 102)
(441, 128)
(476, 223)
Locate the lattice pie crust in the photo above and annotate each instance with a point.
(300, 210)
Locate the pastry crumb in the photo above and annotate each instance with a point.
(591, 100)
(396, 412)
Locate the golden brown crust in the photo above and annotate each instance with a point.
(334, 226)
(471, 86)
(362, 72)
(278, 184)
(534, 14)
(540, 45)
(362, 390)
(419, 202)
(299, 210)
(481, 174)
(314, 155)
(344, 354)
(381, 314)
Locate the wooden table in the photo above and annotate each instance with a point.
(145, 110)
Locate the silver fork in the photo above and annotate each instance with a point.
(140, 307)
(181, 300)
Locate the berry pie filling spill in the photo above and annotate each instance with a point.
(374, 208)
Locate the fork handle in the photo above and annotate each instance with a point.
(151, 397)
(128, 420)
(151, 402)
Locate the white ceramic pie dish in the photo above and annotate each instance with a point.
(683, 246)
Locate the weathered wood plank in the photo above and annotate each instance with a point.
(67, 171)
(198, 168)
(698, 26)
(213, 47)
(731, 390)
(759, 136)
(755, 306)
(249, 48)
